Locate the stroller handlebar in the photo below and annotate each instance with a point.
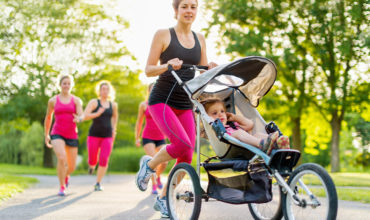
(189, 66)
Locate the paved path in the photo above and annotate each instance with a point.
(120, 200)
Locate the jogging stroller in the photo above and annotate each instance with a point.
(241, 173)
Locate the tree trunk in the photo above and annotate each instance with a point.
(296, 136)
(48, 157)
(335, 137)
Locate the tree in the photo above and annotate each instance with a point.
(260, 28)
(40, 39)
(319, 44)
(338, 41)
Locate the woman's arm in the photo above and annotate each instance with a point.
(79, 116)
(139, 123)
(48, 120)
(245, 123)
(160, 42)
(89, 114)
(114, 120)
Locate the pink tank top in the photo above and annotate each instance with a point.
(151, 130)
(64, 125)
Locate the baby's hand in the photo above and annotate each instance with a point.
(230, 116)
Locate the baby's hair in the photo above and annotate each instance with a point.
(207, 103)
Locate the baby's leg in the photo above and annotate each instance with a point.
(260, 135)
(245, 137)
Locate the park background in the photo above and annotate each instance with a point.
(321, 50)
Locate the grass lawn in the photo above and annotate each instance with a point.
(9, 184)
(351, 179)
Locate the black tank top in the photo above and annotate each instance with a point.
(102, 125)
(178, 98)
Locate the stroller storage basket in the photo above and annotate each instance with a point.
(238, 182)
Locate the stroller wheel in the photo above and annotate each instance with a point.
(315, 191)
(184, 195)
(270, 210)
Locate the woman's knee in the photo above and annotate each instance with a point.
(62, 158)
(71, 168)
(103, 162)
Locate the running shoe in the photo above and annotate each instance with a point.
(161, 205)
(283, 142)
(144, 173)
(66, 181)
(90, 171)
(98, 187)
(62, 191)
(159, 184)
(154, 190)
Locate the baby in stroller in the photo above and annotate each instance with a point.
(240, 128)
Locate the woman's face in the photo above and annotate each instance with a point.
(66, 84)
(187, 11)
(104, 91)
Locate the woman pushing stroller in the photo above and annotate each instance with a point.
(168, 103)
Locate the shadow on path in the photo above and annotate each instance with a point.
(45, 205)
(142, 210)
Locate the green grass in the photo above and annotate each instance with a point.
(25, 170)
(358, 195)
(351, 179)
(9, 184)
(19, 169)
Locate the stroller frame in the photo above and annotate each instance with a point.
(279, 165)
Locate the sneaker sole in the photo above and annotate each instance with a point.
(136, 176)
(156, 207)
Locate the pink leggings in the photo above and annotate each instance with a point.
(94, 144)
(181, 132)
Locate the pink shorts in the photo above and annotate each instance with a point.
(96, 144)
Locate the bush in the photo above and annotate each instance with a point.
(32, 145)
(10, 136)
(125, 159)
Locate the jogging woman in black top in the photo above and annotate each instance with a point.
(174, 117)
(104, 113)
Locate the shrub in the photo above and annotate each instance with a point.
(32, 145)
(10, 135)
(125, 159)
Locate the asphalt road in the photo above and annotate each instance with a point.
(120, 200)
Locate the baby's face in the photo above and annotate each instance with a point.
(217, 111)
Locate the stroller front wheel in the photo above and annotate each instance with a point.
(184, 194)
(316, 193)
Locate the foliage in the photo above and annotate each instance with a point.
(125, 159)
(32, 145)
(41, 39)
(318, 47)
(10, 133)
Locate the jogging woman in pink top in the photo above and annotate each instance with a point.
(152, 139)
(63, 136)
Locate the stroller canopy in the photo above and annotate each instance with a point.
(254, 76)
